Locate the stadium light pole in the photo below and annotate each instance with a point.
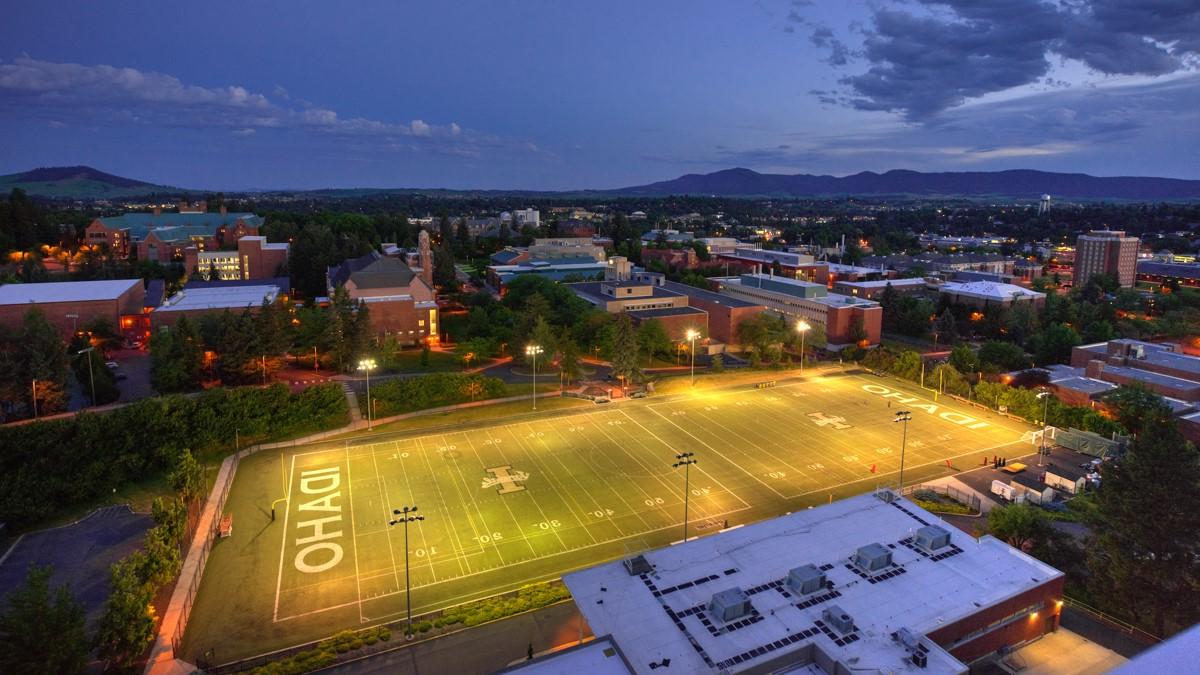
(903, 416)
(1045, 396)
(691, 336)
(802, 327)
(686, 460)
(533, 350)
(406, 515)
(91, 376)
(367, 365)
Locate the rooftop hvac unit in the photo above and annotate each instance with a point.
(806, 579)
(638, 565)
(931, 537)
(729, 605)
(872, 557)
(837, 617)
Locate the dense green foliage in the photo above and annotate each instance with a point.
(33, 363)
(42, 631)
(50, 465)
(401, 395)
(326, 652)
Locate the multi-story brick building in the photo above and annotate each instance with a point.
(401, 303)
(1106, 252)
(841, 316)
(643, 300)
(672, 258)
(254, 258)
(70, 305)
(163, 237)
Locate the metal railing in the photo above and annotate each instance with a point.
(960, 496)
(1111, 621)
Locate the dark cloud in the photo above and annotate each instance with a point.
(923, 63)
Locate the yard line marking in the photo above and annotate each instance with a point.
(710, 476)
(551, 481)
(466, 485)
(387, 515)
(420, 523)
(283, 541)
(537, 503)
(445, 507)
(353, 539)
(718, 453)
(649, 472)
(604, 449)
(583, 490)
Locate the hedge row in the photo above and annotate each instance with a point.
(527, 598)
(326, 652)
(397, 396)
(52, 465)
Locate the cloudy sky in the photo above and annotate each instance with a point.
(563, 94)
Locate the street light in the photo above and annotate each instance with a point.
(73, 318)
(1045, 396)
(691, 336)
(34, 386)
(406, 515)
(367, 365)
(903, 416)
(533, 351)
(91, 376)
(686, 460)
(802, 327)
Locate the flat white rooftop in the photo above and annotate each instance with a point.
(220, 297)
(883, 283)
(989, 290)
(65, 291)
(598, 657)
(664, 613)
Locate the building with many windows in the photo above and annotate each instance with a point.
(1106, 252)
(70, 305)
(401, 304)
(163, 237)
(845, 319)
(254, 258)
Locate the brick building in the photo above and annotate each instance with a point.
(197, 299)
(724, 312)
(644, 300)
(839, 315)
(254, 258)
(70, 305)
(402, 304)
(672, 258)
(1106, 252)
(163, 237)
(872, 583)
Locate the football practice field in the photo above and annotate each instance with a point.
(527, 498)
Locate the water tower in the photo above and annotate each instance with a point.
(1044, 205)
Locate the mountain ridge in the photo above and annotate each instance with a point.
(87, 183)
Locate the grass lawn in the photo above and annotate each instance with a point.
(511, 497)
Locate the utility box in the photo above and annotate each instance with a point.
(729, 605)
(872, 557)
(838, 619)
(931, 538)
(638, 565)
(806, 579)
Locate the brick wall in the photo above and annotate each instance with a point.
(1021, 629)
(129, 302)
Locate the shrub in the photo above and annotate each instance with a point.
(393, 397)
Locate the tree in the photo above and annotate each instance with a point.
(963, 358)
(569, 365)
(1020, 525)
(1136, 407)
(1002, 356)
(1054, 344)
(543, 336)
(947, 327)
(1144, 551)
(889, 302)
(653, 339)
(126, 627)
(717, 363)
(44, 361)
(444, 273)
(462, 236)
(187, 479)
(625, 351)
(40, 633)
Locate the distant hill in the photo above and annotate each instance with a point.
(78, 182)
(1021, 183)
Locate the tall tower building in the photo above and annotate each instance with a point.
(425, 256)
(1106, 252)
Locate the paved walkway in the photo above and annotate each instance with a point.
(1064, 653)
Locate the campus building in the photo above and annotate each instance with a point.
(1167, 273)
(200, 298)
(872, 290)
(163, 237)
(872, 583)
(401, 303)
(1106, 252)
(841, 316)
(645, 299)
(70, 305)
(254, 258)
(1158, 367)
(989, 294)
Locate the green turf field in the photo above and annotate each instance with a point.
(527, 498)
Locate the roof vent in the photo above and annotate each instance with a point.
(806, 579)
(730, 604)
(638, 565)
(931, 537)
(837, 617)
(872, 557)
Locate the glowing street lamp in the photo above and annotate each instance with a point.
(903, 416)
(691, 335)
(533, 350)
(406, 515)
(367, 365)
(91, 377)
(802, 327)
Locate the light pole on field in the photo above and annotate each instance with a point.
(802, 327)
(686, 460)
(91, 376)
(691, 336)
(533, 350)
(367, 365)
(406, 515)
(1045, 396)
(903, 416)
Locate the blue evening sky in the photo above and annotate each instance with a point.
(564, 94)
